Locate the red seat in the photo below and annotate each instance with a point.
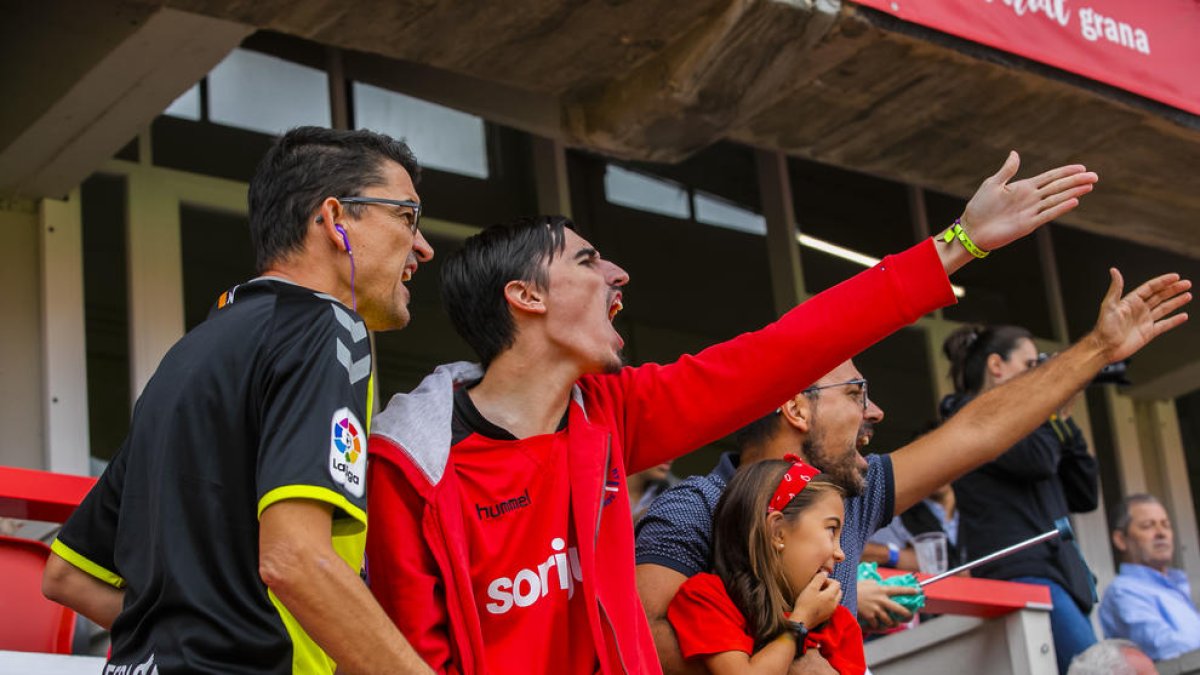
(30, 622)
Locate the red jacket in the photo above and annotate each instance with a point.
(417, 558)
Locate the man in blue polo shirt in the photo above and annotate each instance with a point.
(1149, 602)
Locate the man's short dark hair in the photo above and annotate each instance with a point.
(474, 277)
(1120, 517)
(307, 165)
(760, 432)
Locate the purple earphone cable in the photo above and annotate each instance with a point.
(346, 240)
(353, 300)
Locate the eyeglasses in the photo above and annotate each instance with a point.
(860, 381)
(403, 203)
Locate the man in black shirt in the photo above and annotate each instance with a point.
(227, 534)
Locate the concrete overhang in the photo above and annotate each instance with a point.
(650, 80)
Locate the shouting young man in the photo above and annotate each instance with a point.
(501, 535)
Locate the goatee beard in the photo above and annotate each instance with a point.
(844, 473)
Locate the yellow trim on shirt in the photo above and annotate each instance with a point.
(314, 492)
(99, 571)
(370, 400)
(307, 657)
(348, 538)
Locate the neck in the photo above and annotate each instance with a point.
(524, 394)
(1163, 569)
(320, 275)
(782, 443)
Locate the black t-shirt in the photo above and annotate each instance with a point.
(264, 401)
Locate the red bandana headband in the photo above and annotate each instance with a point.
(796, 479)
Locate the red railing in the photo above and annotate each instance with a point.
(41, 495)
(984, 598)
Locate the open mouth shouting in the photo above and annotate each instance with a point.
(865, 432)
(615, 306)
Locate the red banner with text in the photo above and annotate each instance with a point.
(1148, 47)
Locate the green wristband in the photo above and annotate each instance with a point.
(956, 231)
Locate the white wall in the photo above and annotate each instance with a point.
(22, 443)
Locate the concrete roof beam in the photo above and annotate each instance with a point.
(713, 78)
(132, 64)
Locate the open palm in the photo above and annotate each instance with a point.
(1001, 212)
(1126, 324)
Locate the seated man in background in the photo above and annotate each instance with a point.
(892, 546)
(1149, 602)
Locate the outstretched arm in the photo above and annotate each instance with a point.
(670, 410)
(1001, 212)
(993, 422)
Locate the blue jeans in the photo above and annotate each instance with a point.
(1071, 629)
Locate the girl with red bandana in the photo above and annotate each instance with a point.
(770, 598)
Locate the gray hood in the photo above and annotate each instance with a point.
(419, 422)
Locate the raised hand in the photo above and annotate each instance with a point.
(1126, 324)
(1001, 212)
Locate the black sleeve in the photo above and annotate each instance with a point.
(314, 411)
(1077, 470)
(88, 539)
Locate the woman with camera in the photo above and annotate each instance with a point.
(1044, 477)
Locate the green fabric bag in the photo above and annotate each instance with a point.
(913, 603)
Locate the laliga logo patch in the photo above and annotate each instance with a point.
(348, 452)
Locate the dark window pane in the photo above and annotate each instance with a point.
(106, 312)
(1188, 409)
(1006, 288)
(901, 384)
(216, 252)
(864, 214)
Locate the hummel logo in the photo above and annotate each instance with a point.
(356, 329)
(500, 508)
(361, 368)
(357, 370)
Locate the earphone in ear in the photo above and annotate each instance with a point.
(345, 240)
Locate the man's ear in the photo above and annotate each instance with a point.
(524, 296)
(326, 218)
(1119, 543)
(798, 412)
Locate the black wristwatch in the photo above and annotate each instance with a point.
(799, 630)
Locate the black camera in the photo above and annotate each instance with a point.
(1113, 373)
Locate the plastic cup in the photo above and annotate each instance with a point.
(931, 552)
